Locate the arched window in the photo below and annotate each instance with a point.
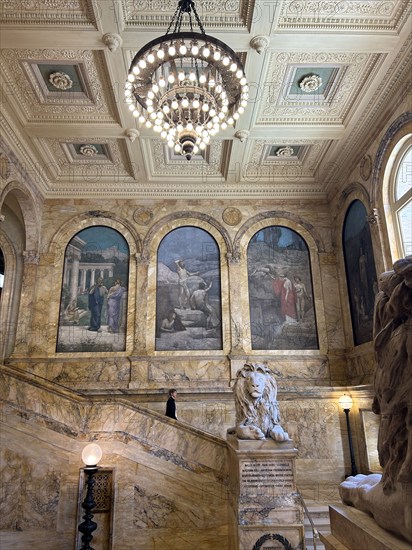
(400, 199)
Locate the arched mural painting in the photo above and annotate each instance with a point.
(93, 306)
(282, 314)
(360, 271)
(188, 299)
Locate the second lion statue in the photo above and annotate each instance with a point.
(257, 409)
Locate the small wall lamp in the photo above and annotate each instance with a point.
(346, 402)
(91, 456)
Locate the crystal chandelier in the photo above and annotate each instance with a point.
(186, 86)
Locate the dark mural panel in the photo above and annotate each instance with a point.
(188, 299)
(282, 314)
(93, 307)
(360, 271)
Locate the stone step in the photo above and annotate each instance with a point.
(319, 514)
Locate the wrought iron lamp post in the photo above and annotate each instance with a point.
(346, 403)
(91, 456)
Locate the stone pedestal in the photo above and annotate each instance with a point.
(355, 530)
(265, 506)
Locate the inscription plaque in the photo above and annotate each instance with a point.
(266, 477)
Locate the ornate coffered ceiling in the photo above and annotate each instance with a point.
(321, 75)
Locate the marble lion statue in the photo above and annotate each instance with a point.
(257, 409)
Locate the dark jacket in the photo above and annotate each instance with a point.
(171, 408)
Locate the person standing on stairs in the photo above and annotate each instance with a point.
(171, 404)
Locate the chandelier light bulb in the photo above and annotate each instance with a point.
(186, 85)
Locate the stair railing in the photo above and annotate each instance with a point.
(315, 532)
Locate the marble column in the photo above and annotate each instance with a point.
(142, 309)
(26, 334)
(235, 287)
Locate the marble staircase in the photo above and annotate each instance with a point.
(320, 517)
(170, 488)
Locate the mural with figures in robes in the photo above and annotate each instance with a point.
(360, 271)
(188, 300)
(282, 311)
(93, 305)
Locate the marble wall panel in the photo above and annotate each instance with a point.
(361, 365)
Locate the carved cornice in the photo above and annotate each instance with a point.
(52, 12)
(395, 78)
(59, 108)
(372, 15)
(215, 14)
(277, 108)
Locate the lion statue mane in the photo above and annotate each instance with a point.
(257, 409)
